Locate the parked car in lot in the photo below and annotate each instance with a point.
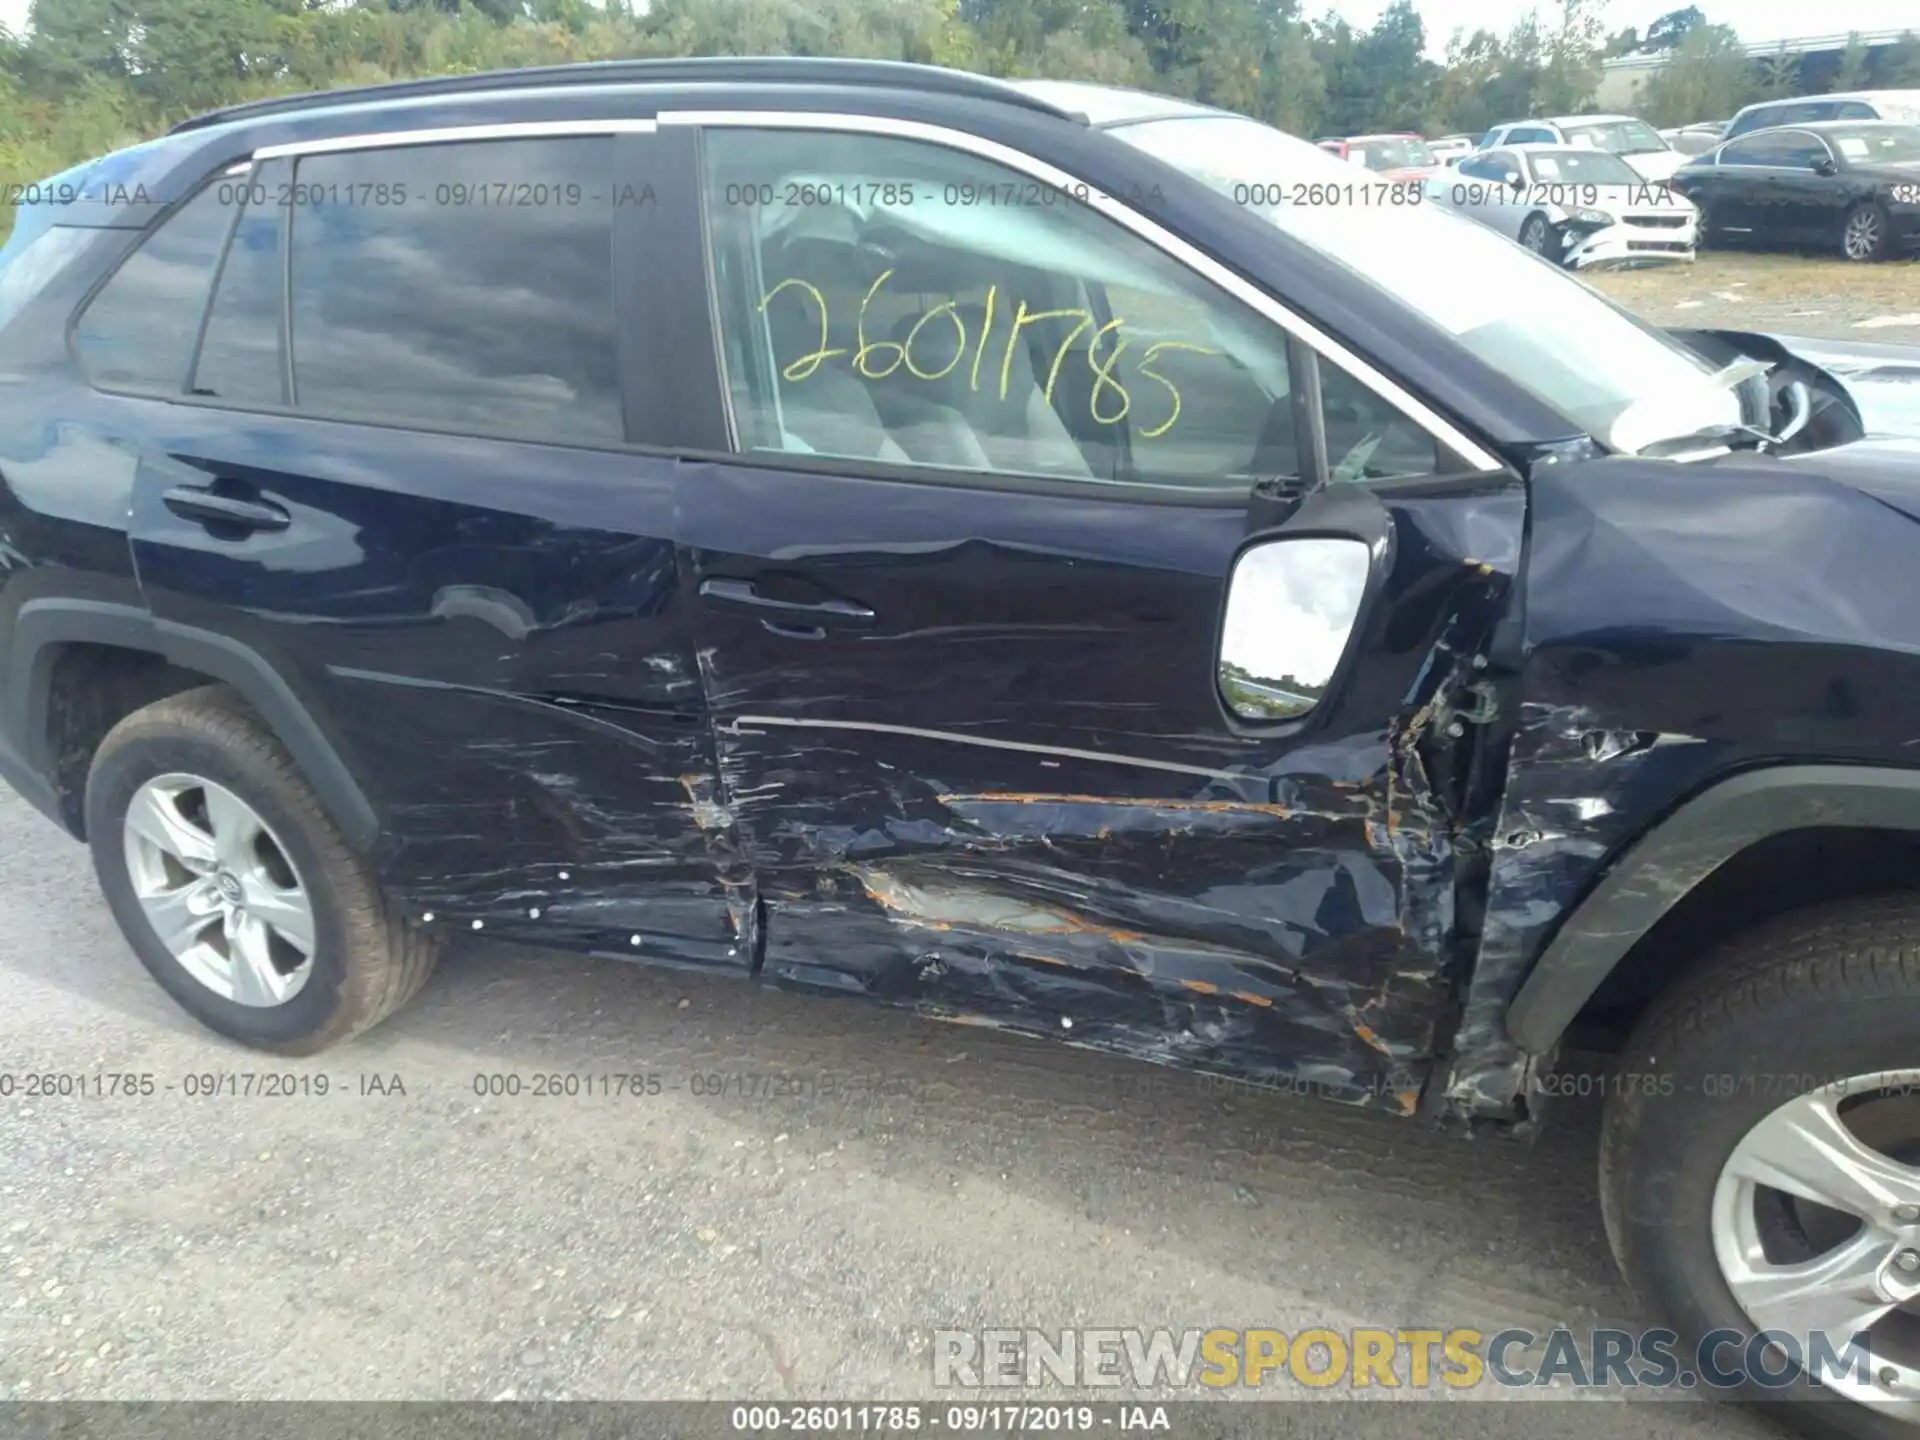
(1846, 185)
(1039, 555)
(1634, 141)
(1451, 149)
(1695, 139)
(1903, 105)
(1395, 157)
(1578, 207)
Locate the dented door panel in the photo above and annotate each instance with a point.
(1668, 643)
(488, 634)
(1014, 797)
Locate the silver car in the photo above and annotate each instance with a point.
(1578, 206)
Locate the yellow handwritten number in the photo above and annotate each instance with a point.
(1146, 369)
(793, 371)
(1103, 367)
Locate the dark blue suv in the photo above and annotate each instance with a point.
(1044, 555)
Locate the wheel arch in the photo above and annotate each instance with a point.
(45, 630)
(1670, 861)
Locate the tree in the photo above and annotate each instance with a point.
(1708, 78)
(1853, 71)
(1898, 65)
(1671, 29)
(1779, 74)
(1570, 66)
(1625, 42)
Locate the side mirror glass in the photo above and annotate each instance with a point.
(1824, 166)
(1291, 607)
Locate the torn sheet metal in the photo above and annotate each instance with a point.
(1018, 800)
(1669, 641)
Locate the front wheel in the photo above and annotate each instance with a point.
(1760, 1165)
(1864, 236)
(1537, 236)
(235, 888)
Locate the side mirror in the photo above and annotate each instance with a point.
(1292, 604)
(1514, 182)
(1825, 166)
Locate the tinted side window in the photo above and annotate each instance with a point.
(1531, 134)
(1759, 150)
(959, 316)
(1854, 110)
(240, 355)
(464, 287)
(1801, 151)
(1754, 120)
(138, 332)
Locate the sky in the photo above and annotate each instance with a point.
(1756, 20)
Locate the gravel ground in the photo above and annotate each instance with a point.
(1788, 294)
(433, 1244)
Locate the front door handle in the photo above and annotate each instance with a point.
(195, 502)
(740, 595)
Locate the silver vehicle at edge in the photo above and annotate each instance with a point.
(1579, 207)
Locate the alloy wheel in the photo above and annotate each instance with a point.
(1863, 234)
(220, 890)
(1816, 1225)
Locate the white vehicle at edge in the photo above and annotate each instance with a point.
(1583, 208)
(1632, 139)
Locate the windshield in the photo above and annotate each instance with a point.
(1581, 167)
(1390, 153)
(1622, 137)
(1531, 320)
(1877, 144)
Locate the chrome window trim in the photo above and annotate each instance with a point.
(520, 130)
(1440, 430)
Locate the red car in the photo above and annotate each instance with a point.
(1396, 157)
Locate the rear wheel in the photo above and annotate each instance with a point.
(1864, 236)
(233, 885)
(1760, 1164)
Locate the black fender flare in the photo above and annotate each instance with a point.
(43, 625)
(1676, 855)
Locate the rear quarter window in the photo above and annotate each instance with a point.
(137, 332)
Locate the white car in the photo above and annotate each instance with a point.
(1451, 149)
(1633, 140)
(1579, 207)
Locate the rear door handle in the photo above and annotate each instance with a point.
(194, 502)
(739, 595)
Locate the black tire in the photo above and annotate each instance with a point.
(1869, 248)
(1833, 992)
(367, 961)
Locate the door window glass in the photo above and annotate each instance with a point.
(464, 287)
(888, 299)
(240, 358)
(1802, 152)
(1760, 149)
(138, 332)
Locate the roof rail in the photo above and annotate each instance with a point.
(783, 69)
